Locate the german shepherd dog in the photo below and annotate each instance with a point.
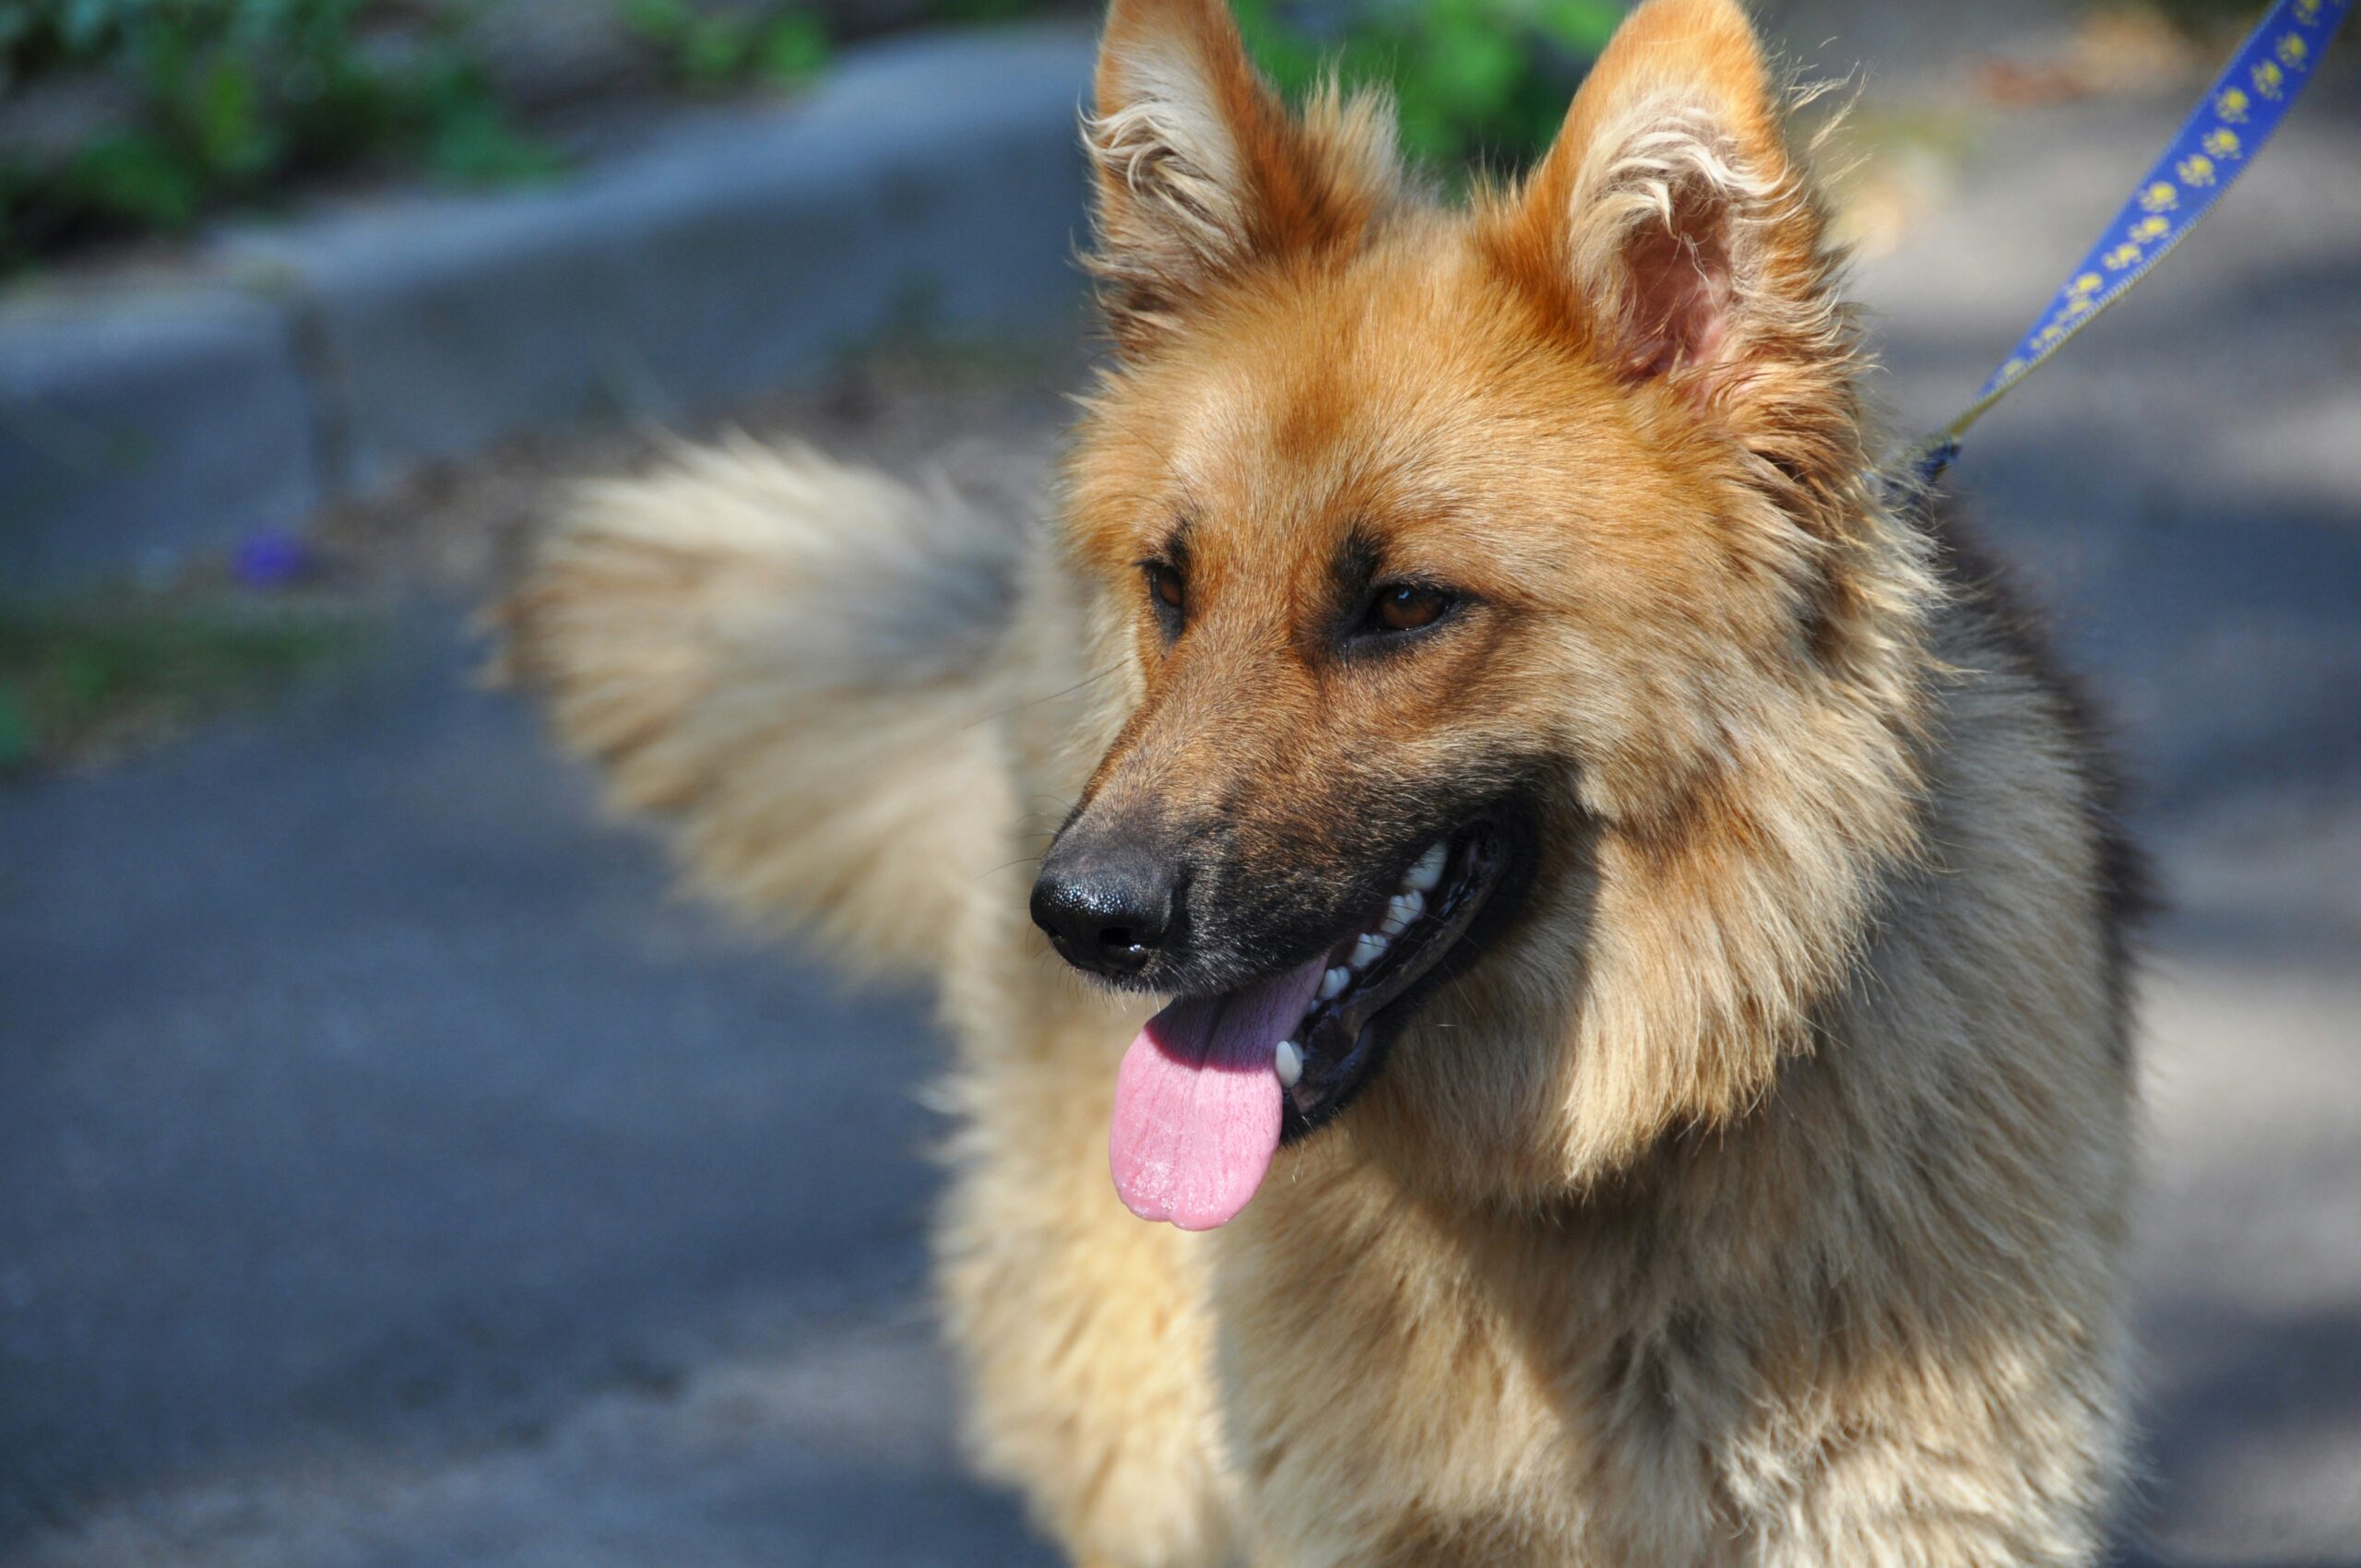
(1619, 932)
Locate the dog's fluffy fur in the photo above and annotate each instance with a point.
(1758, 1195)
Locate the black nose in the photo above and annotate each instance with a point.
(1107, 908)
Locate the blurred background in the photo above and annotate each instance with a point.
(396, 1168)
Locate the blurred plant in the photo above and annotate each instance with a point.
(973, 12)
(228, 98)
(92, 675)
(272, 559)
(711, 51)
(1478, 81)
(16, 735)
(2207, 19)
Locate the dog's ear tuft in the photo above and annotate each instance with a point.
(1202, 172)
(1677, 232)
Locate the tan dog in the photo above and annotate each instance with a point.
(1646, 930)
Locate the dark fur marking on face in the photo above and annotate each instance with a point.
(1165, 572)
(1282, 897)
(1359, 555)
(1506, 832)
(1359, 586)
(1351, 574)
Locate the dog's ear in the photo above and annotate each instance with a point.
(1203, 176)
(1682, 242)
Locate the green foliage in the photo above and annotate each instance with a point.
(92, 675)
(716, 51)
(231, 98)
(965, 13)
(1477, 80)
(2207, 17)
(16, 735)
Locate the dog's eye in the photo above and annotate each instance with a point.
(1406, 607)
(1166, 584)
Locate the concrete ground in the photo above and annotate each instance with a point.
(393, 1171)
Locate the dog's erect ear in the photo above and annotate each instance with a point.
(1679, 228)
(1204, 175)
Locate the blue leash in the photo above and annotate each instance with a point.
(2237, 115)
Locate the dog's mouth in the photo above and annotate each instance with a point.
(1371, 984)
(1215, 1083)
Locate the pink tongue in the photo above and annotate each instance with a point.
(1197, 1101)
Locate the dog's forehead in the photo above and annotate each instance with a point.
(1333, 402)
(1402, 400)
(1397, 431)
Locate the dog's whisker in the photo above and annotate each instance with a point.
(1035, 702)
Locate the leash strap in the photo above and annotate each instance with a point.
(2236, 116)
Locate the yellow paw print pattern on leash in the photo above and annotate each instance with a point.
(2232, 121)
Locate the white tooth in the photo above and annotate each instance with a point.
(1428, 870)
(1366, 951)
(1411, 905)
(1393, 923)
(1334, 982)
(1288, 1060)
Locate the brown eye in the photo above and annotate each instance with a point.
(1165, 583)
(1406, 607)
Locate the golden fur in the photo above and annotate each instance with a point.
(1759, 1198)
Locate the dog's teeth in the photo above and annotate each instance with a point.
(1367, 950)
(1407, 907)
(1287, 1061)
(1428, 870)
(1333, 983)
(1393, 923)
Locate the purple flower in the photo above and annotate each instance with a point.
(271, 560)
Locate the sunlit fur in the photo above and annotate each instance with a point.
(1758, 1198)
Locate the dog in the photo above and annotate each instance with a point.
(1620, 931)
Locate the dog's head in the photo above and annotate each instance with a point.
(1500, 599)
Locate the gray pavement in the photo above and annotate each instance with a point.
(395, 1174)
(366, 1099)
